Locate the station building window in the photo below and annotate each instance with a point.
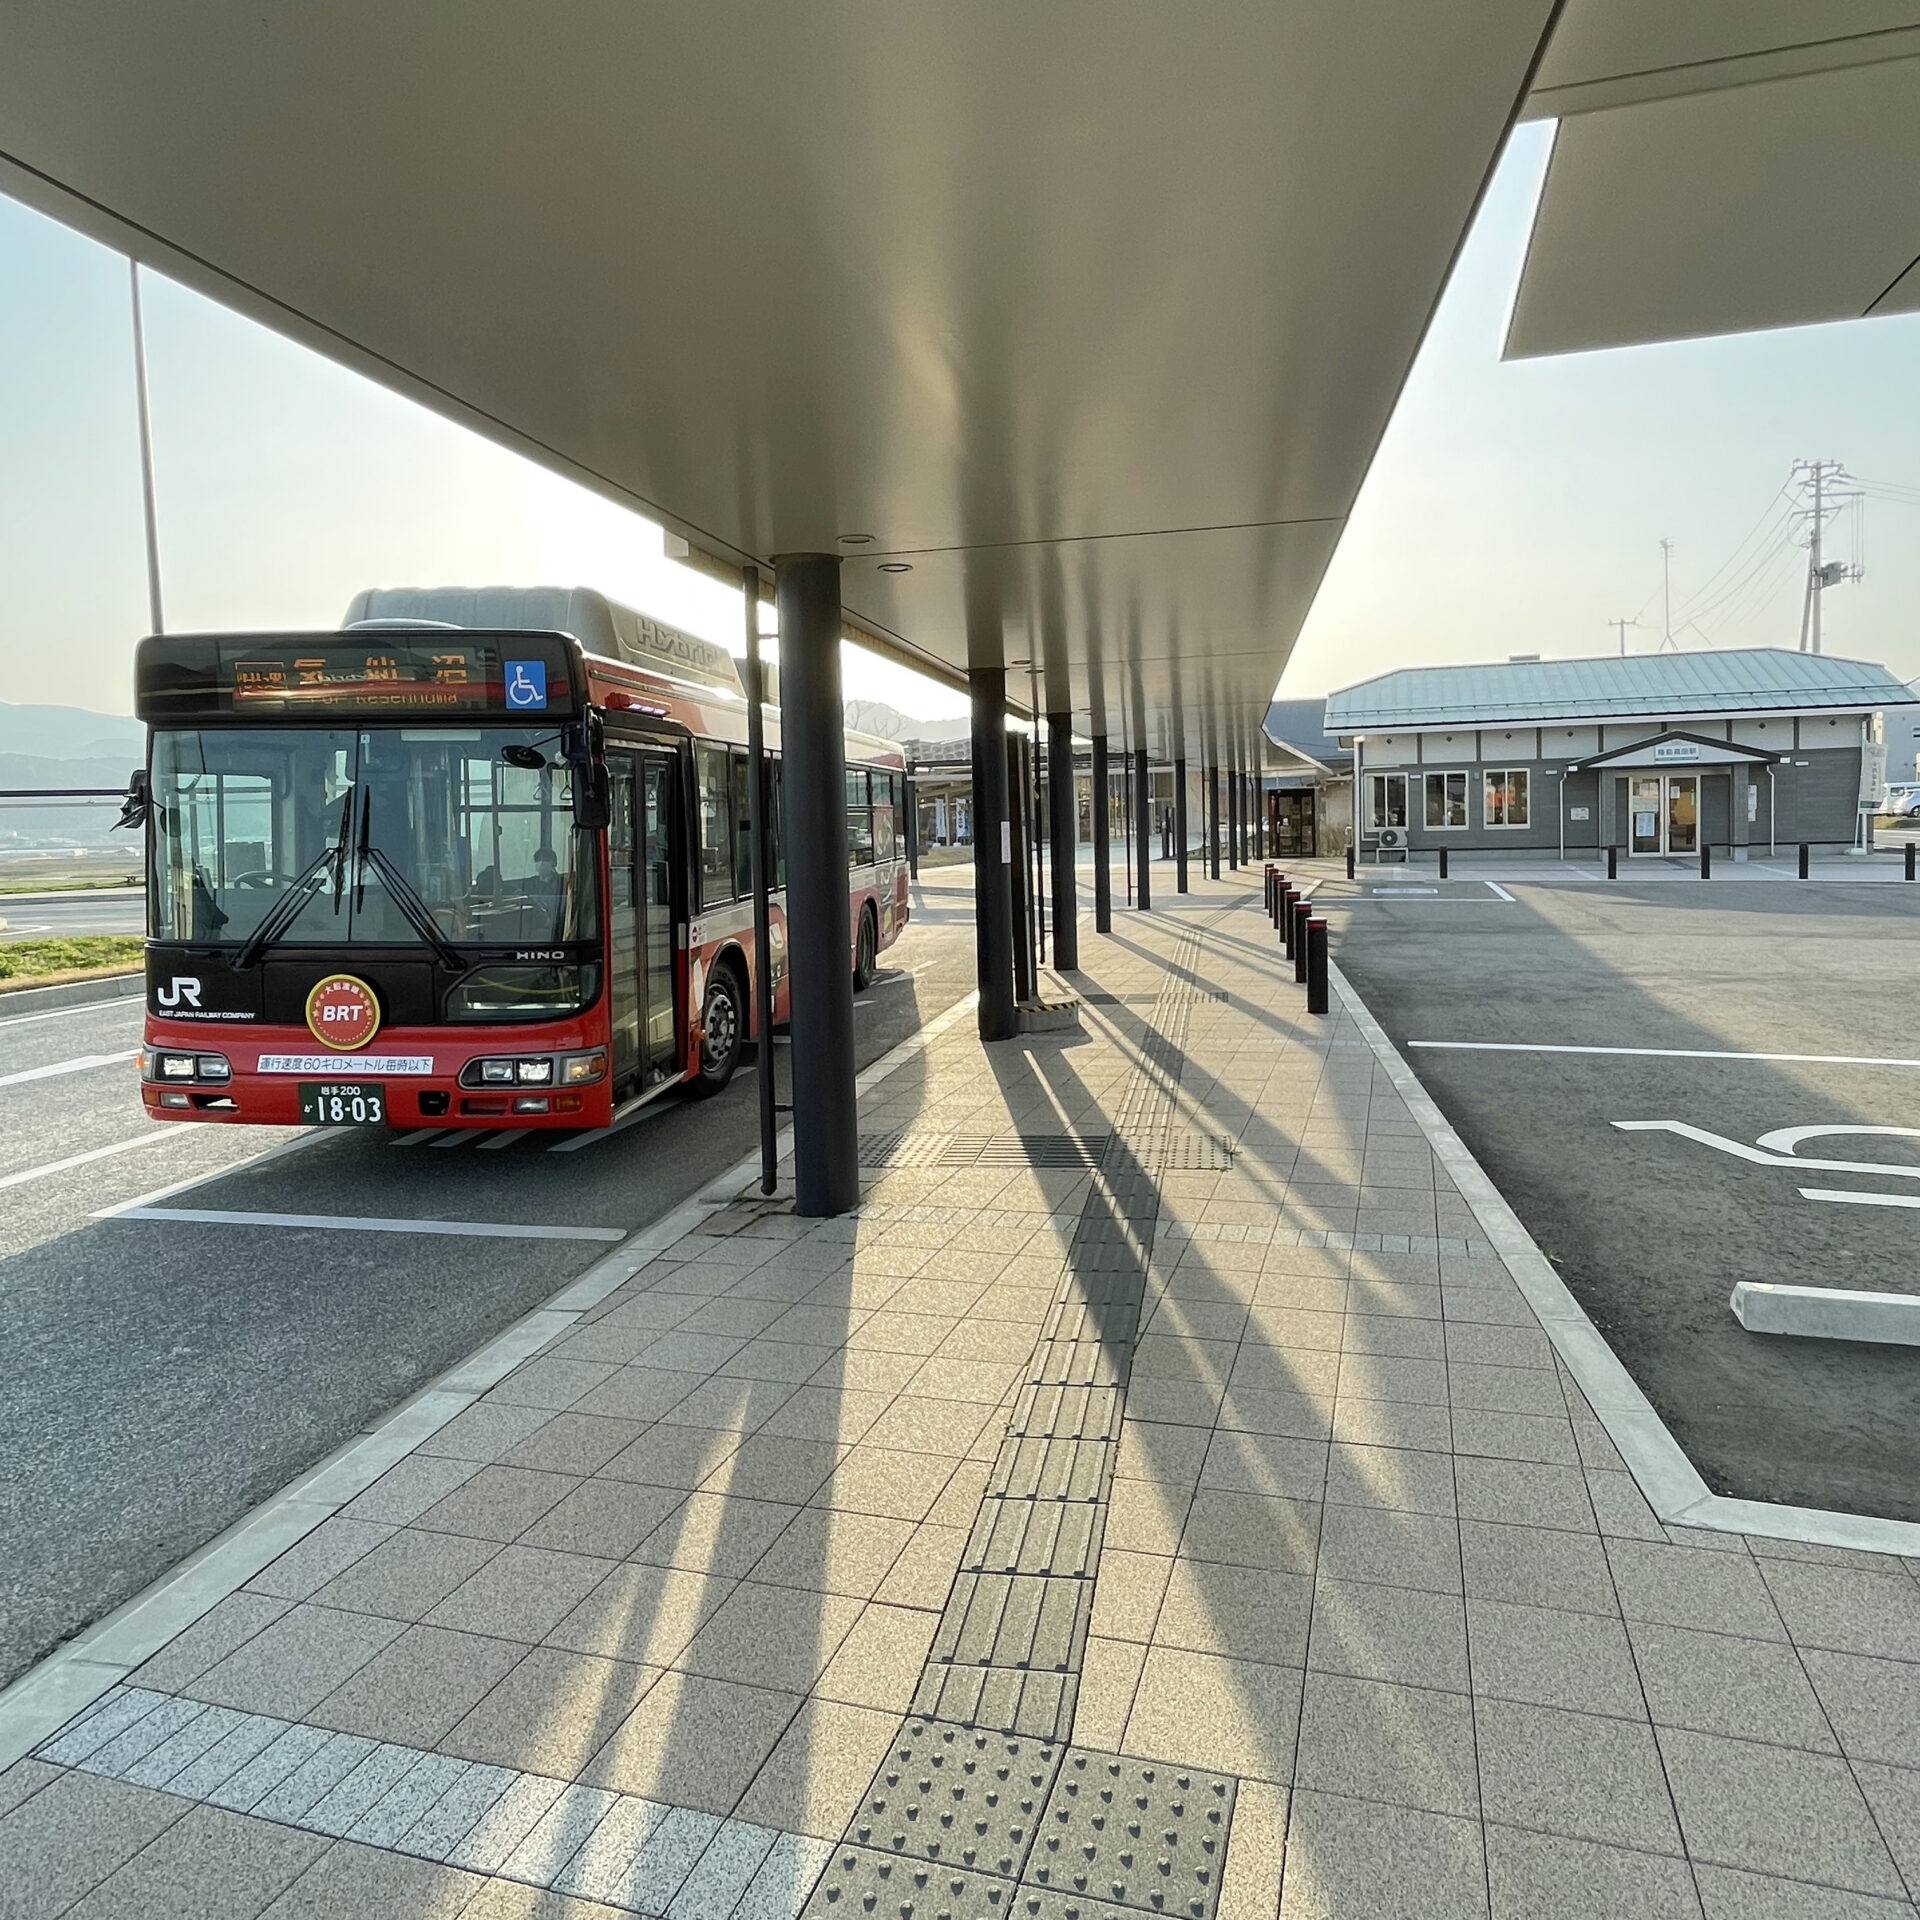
(1386, 800)
(1446, 800)
(1506, 796)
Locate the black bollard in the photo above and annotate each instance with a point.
(1279, 891)
(1910, 851)
(1287, 898)
(1302, 913)
(1316, 966)
(1443, 863)
(1613, 863)
(1803, 859)
(1706, 860)
(1349, 863)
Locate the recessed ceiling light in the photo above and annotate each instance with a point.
(895, 566)
(856, 539)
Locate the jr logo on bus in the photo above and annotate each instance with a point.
(342, 1012)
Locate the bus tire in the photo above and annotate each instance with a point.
(866, 952)
(723, 1022)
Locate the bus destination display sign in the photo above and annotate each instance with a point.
(454, 677)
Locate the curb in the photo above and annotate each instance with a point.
(73, 1676)
(1669, 1480)
(73, 993)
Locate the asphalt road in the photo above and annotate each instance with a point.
(1649, 1228)
(51, 916)
(160, 1377)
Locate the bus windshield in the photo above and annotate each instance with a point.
(385, 832)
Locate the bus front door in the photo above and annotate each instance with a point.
(643, 920)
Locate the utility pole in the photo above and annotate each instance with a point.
(1821, 573)
(154, 613)
(1666, 595)
(1623, 625)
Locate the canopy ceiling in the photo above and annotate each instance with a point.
(1090, 313)
(1721, 166)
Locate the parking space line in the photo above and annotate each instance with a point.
(354, 1223)
(81, 1063)
(1664, 1053)
(139, 1140)
(1841, 1196)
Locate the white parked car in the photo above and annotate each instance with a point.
(1903, 800)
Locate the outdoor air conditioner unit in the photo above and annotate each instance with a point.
(1393, 837)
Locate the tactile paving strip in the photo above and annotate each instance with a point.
(861, 1882)
(958, 1796)
(1135, 1834)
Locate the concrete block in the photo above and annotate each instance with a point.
(1828, 1313)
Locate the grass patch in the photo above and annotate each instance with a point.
(34, 963)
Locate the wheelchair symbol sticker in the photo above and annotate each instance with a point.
(527, 683)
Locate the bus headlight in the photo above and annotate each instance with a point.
(582, 1069)
(164, 1064)
(509, 1070)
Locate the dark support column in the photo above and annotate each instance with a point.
(1143, 827)
(1233, 820)
(1213, 822)
(910, 796)
(992, 882)
(1180, 823)
(1021, 870)
(826, 1147)
(1102, 851)
(1064, 832)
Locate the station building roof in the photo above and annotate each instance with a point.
(1298, 729)
(1610, 687)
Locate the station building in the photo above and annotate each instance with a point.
(1758, 748)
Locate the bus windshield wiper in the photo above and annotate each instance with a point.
(330, 861)
(400, 891)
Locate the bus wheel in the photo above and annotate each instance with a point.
(724, 1022)
(865, 961)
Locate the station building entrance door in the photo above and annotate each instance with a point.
(1664, 812)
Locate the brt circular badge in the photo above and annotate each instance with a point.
(342, 1012)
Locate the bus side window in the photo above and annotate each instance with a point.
(859, 819)
(742, 829)
(713, 803)
(776, 823)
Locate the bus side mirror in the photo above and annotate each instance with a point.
(138, 802)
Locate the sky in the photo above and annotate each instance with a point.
(1511, 508)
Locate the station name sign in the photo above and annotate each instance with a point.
(1677, 750)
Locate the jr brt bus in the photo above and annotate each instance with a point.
(479, 859)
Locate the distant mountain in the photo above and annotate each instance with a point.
(875, 716)
(71, 733)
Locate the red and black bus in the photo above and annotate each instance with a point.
(479, 859)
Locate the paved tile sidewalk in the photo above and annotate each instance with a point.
(1157, 1500)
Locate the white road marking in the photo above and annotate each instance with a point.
(638, 1117)
(353, 1223)
(1840, 1197)
(1398, 893)
(1760, 1156)
(131, 1001)
(1665, 1053)
(1499, 890)
(84, 1063)
(139, 1140)
(506, 1137)
(414, 1138)
(459, 1136)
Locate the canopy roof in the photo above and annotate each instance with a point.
(1091, 314)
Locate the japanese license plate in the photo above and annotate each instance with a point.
(343, 1103)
